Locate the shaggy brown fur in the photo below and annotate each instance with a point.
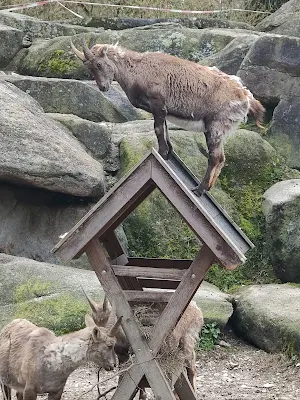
(34, 361)
(192, 96)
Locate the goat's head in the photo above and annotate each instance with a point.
(97, 61)
(101, 343)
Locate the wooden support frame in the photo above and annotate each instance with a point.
(126, 280)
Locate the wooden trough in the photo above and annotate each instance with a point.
(126, 280)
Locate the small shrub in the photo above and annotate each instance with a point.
(210, 336)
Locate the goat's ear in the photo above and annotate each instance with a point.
(89, 322)
(97, 334)
(114, 329)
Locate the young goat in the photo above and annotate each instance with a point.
(34, 361)
(192, 96)
(184, 337)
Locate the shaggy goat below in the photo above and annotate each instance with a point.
(182, 339)
(192, 96)
(34, 361)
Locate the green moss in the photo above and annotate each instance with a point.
(59, 62)
(61, 313)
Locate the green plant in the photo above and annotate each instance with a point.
(32, 289)
(210, 336)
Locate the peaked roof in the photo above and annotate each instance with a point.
(203, 214)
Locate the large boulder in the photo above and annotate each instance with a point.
(54, 58)
(268, 316)
(281, 208)
(10, 44)
(231, 57)
(285, 21)
(84, 99)
(38, 151)
(33, 219)
(36, 291)
(36, 28)
(271, 70)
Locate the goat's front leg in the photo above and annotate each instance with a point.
(216, 161)
(56, 395)
(29, 393)
(6, 390)
(159, 127)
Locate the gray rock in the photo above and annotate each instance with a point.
(54, 58)
(215, 305)
(10, 43)
(281, 207)
(38, 151)
(200, 23)
(37, 28)
(268, 316)
(33, 219)
(271, 70)
(274, 59)
(285, 21)
(84, 99)
(230, 58)
(15, 271)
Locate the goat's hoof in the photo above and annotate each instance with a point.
(199, 190)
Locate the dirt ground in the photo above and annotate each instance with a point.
(238, 372)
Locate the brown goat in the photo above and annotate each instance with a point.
(34, 361)
(192, 96)
(184, 337)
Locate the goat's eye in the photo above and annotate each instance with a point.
(99, 65)
(110, 346)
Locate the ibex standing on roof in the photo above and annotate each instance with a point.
(34, 361)
(192, 96)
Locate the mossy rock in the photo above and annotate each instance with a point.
(268, 316)
(54, 58)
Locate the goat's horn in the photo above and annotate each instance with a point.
(112, 317)
(92, 303)
(115, 328)
(78, 53)
(86, 51)
(105, 304)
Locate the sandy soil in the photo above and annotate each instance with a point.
(238, 372)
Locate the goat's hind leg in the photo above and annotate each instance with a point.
(216, 159)
(6, 392)
(160, 124)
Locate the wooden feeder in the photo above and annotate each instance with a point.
(126, 280)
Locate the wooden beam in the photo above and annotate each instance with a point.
(144, 297)
(195, 215)
(158, 283)
(118, 255)
(159, 262)
(146, 272)
(184, 389)
(105, 215)
(147, 363)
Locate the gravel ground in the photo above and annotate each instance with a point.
(238, 372)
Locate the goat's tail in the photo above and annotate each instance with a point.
(257, 111)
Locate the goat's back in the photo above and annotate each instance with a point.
(18, 347)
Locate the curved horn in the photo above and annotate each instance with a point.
(86, 51)
(92, 303)
(112, 317)
(78, 53)
(115, 328)
(105, 306)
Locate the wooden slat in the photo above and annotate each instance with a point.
(147, 363)
(117, 254)
(109, 212)
(159, 262)
(146, 272)
(184, 388)
(153, 296)
(158, 283)
(175, 192)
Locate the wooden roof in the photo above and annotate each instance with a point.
(203, 214)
